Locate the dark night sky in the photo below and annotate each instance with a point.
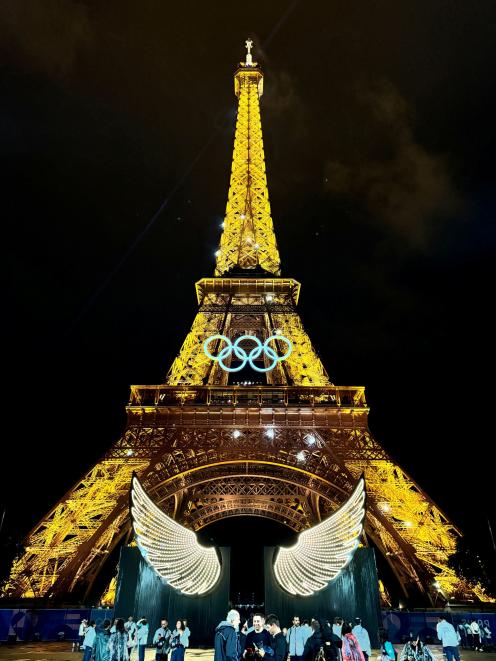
(379, 130)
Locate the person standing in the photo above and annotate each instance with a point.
(449, 640)
(226, 642)
(307, 631)
(82, 630)
(476, 637)
(350, 650)
(362, 635)
(101, 641)
(296, 639)
(118, 648)
(161, 640)
(256, 639)
(187, 634)
(488, 636)
(328, 647)
(313, 644)
(278, 642)
(142, 637)
(336, 635)
(243, 632)
(89, 641)
(177, 642)
(130, 627)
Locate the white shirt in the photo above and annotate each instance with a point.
(447, 634)
(82, 628)
(89, 638)
(475, 627)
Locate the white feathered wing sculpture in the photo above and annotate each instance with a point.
(324, 550)
(171, 549)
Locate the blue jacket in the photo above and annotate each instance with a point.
(296, 638)
(142, 633)
(226, 643)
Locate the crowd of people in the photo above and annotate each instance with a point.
(475, 635)
(117, 640)
(260, 636)
(316, 640)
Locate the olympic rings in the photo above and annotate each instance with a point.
(244, 357)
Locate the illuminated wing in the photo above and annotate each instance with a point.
(324, 550)
(171, 549)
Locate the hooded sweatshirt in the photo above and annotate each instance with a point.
(226, 642)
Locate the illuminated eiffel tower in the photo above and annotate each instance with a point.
(239, 429)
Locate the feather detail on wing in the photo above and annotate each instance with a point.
(324, 550)
(171, 549)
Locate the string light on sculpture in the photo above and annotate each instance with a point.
(310, 439)
(171, 549)
(236, 433)
(300, 456)
(253, 355)
(270, 433)
(323, 551)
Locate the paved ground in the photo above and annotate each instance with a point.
(62, 652)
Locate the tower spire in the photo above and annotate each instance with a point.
(248, 241)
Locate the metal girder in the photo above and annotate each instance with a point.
(57, 538)
(248, 239)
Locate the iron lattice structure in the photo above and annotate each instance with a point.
(290, 448)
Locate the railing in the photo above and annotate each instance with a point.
(251, 396)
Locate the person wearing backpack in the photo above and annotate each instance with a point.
(313, 650)
(226, 643)
(350, 651)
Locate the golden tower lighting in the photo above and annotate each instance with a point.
(288, 445)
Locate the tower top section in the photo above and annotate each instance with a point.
(248, 243)
(249, 45)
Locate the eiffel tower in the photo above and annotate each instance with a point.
(224, 436)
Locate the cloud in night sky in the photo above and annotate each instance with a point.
(401, 184)
(49, 35)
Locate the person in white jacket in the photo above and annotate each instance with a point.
(82, 630)
(89, 641)
(449, 639)
(362, 635)
(476, 637)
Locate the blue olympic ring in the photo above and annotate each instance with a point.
(244, 357)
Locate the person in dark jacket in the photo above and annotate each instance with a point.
(257, 643)
(278, 642)
(226, 642)
(321, 639)
(243, 631)
(313, 643)
(331, 650)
